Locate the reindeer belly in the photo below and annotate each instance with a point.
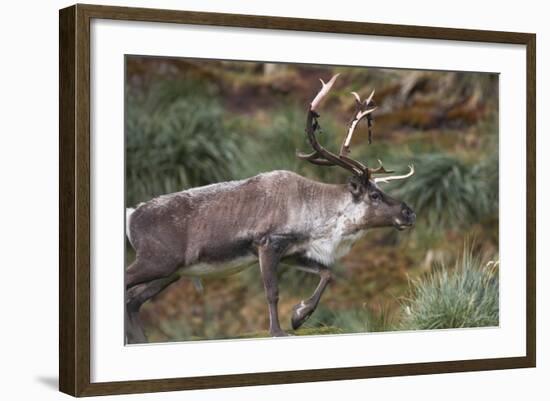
(218, 269)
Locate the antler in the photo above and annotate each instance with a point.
(394, 177)
(324, 157)
(362, 111)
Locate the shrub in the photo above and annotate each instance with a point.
(466, 296)
(175, 139)
(448, 192)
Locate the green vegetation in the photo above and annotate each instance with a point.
(272, 145)
(449, 192)
(359, 320)
(176, 139)
(303, 331)
(464, 296)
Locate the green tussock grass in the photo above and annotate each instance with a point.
(448, 192)
(466, 295)
(176, 139)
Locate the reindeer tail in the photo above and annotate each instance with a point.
(129, 212)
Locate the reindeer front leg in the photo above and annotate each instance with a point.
(302, 311)
(269, 253)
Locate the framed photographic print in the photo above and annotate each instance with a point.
(250, 200)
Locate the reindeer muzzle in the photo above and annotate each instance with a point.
(406, 219)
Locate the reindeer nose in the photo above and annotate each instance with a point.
(408, 213)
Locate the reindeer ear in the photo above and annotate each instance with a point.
(356, 187)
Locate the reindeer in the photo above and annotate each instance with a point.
(223, 228)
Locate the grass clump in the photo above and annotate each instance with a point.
(464, 296)
(175, 139)
(448, 192)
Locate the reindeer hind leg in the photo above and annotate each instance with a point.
(144, 270)
(137, 296)
(144, 279)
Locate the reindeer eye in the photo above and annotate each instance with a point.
(375, 196)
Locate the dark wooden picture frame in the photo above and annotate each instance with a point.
(74, 202)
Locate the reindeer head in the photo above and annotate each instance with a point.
(378, 209)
